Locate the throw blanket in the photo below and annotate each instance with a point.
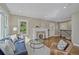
(20, 47)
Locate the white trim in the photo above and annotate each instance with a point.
(76, 44)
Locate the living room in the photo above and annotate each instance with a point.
(40, 25)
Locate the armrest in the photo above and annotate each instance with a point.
(69, 47)
(59, 52)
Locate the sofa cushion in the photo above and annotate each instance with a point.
(9, 47)
(14, 38)
(2, 45)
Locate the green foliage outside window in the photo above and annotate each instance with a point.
(23, 27)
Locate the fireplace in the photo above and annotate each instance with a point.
(40, 33)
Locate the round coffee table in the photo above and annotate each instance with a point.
(36, 44)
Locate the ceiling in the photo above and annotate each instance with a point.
(47, 11)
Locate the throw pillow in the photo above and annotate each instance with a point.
(62, 45)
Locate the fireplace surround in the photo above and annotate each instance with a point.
(40, 33)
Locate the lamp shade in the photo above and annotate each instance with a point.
(14, 29)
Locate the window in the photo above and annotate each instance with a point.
(23, 25)
(3, 25)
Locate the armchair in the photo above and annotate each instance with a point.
(55, 51)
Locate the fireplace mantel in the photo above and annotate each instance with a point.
(38, 31)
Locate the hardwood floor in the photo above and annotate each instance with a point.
(74, 50)
(50, 40)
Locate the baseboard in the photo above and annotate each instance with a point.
(76, 44)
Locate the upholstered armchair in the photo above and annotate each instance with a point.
(54, 50)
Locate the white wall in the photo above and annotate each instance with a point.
(75, 28)
(66, 25)
(52, 29)
(32, 23)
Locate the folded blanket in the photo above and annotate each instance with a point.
(20, 47)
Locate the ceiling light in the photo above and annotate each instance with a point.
(65, 7)
(45, 16)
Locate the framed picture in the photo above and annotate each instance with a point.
(23, 26)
